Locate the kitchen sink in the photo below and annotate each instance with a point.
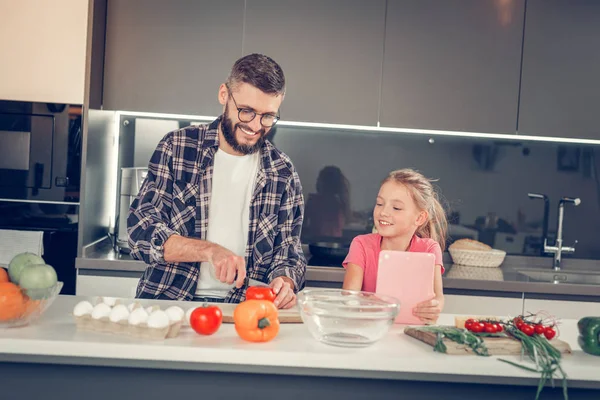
(572, 277)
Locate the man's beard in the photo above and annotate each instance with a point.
(229, 134)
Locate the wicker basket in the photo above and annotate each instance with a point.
(477, 258)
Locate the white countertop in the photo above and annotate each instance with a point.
(54, 338)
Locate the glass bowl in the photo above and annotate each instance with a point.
(347, 318)
(36, 302)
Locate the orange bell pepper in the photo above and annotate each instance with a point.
(256, 320)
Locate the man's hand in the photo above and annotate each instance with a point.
(227, 265)
(428, 311)
(284, 290)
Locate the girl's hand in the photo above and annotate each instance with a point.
(428, 311)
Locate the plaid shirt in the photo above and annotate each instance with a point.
(175, 199)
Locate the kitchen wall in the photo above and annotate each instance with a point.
(478, 66)
(476, 177)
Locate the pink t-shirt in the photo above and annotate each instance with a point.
(364, 252)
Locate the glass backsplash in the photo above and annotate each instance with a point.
(483, 183)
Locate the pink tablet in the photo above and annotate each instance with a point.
(409, 278)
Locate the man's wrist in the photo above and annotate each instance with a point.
(208, 249)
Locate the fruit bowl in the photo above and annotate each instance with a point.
(34, 303)
(347, 318)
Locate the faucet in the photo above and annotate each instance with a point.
(558, 247)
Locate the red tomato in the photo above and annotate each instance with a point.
(518, 322)
(206, 320)
(488, 327)
(527, 329)
(539, 329)
(469, 324)
(477, 327)
(549, 332)
(260, 293)
(499, 327)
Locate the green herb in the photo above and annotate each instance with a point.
(457, 335)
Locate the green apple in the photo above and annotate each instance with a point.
(19, 262)
(35, 280)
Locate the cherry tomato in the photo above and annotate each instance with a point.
(539, 329)
(260, 293)
(477, 327)
(488, 327)
(549, 332)
(206, 320)
(527, 329)
(518, 322)
(469, 324)
(499, 328)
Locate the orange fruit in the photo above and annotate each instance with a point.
(12, 303)
(3, 275)
(30, 306)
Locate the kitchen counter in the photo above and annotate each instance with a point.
(516, 277)
(53, 350)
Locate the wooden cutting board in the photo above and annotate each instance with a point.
(496, 345)
(290, 316)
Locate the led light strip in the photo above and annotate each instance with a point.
(65, 203)
(367, 128)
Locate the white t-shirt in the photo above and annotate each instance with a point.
(229, 213)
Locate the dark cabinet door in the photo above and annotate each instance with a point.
(452, 65)
(560, 90)
(331, 53)
(170, 56)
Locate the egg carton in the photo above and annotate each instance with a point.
(108, 320)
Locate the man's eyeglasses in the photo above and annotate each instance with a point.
(247, 114)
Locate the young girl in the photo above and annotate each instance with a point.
(408, 217)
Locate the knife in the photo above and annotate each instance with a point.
(254, 282)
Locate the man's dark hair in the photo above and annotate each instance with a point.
(259, 71)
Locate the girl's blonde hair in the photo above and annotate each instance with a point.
(426, 199)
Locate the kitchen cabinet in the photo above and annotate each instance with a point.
(561, 60)
(170, 56)
(331, 53)
(452, 65)
(43, 48)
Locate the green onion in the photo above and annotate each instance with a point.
(544, 356)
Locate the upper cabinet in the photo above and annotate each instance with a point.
(461, 65)
(170, 56)
(331, 53)
(560, 92)
(452, 65)
(43, 50)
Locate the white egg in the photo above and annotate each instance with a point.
(158, 319)
(138, 316)
(132, 306)
(101, 310)
(111, 301)
(83, 308)
(175, 313)
(151, 309)
(188, 314)
(119, 313)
